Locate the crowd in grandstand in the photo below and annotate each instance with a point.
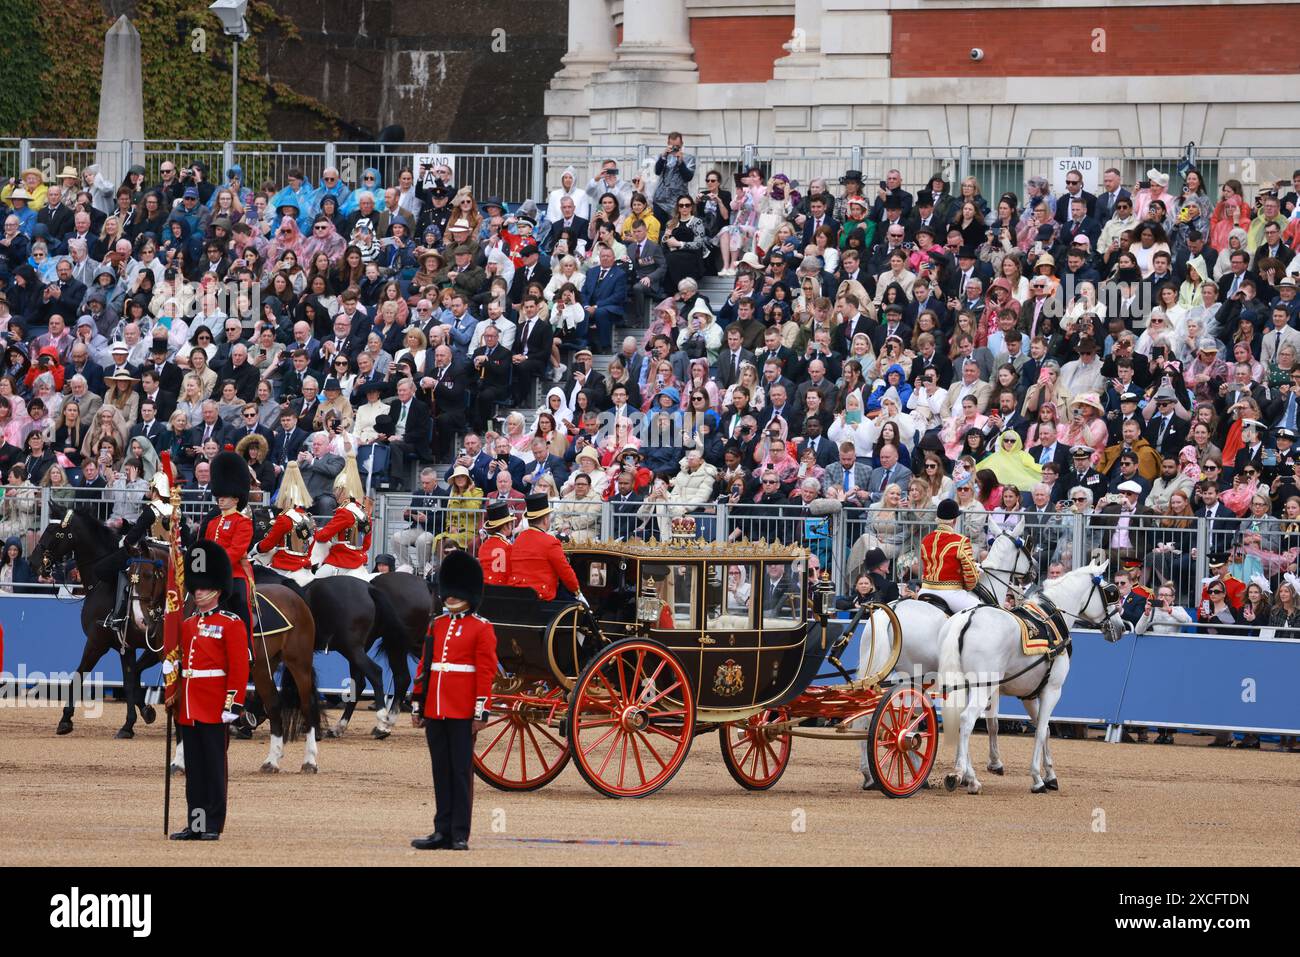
(1130, 356)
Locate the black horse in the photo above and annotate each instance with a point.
(88, 542)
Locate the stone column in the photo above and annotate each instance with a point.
(121, 102)
(805, 44)
(592, 39)
(656, 38)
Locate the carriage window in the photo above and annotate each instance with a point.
(596, 575)
(730, 601)
(675, 587)
(782, 594)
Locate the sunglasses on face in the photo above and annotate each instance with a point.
(250, 415)
(331, 179)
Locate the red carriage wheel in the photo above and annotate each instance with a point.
(631, 719)
(755, 757)
(518, 750)
(904, 741)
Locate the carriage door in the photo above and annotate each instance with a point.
(781, 585)
(729, 646)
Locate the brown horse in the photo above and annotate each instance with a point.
(291, 711)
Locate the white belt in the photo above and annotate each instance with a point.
(443, 666)
(204, 673)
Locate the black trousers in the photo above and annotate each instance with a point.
(527, 373)
(451, 752)
(205, 775)
(485, 404)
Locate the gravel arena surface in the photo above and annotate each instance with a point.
(88, 799)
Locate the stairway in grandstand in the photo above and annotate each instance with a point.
(715, 289)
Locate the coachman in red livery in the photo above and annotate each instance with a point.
(495, 554)
(452, 684)
(213, 663)
(538, 557)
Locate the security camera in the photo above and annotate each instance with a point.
(976, 53)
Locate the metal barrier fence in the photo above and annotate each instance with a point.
(1157, 552)
(517, 171)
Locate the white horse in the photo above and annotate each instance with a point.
(981, 654)
(1008, 559)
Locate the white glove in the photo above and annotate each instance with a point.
(583, 598)
(229, 717)
(168, 667)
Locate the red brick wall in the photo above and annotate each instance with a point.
(722, 58)
(1145, 41)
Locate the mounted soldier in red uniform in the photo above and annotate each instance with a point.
(345, 539)
(289, 539)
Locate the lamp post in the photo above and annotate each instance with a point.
(231, 14)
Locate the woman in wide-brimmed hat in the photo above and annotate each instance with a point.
(1087, 425)
(123, 397)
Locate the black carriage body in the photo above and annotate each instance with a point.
(738, 618)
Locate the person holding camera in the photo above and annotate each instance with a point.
(675, 169)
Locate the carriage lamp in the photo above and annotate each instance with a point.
(826, 594)
(648, 604)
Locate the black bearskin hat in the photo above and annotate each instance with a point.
(229, 476)
(461, 576)
(208, 566)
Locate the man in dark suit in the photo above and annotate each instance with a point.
(1079, 223)
(1112, 193)
(929, 358)
(447, 384)
(56, 218)
(81, 229)
(286, 441)
(624, 505)
(197, 491)
(791, 367)
(211, 428)
(888, 473)
(543, 462)
(1238, 272)
(1224, 527)
(531, 352)
(823, 448)
(490, 377)
(410, 430)
(568, 220)
(151, 426)
(1272, 246)
(164, 401)
(530, 271)
(169, 374)
(818, 216)
(1166, 432)
(63, 296)
(1048, 449)
(1074, 190)
(249, 425)
(731, 359)
(649, 267)
(603, 296)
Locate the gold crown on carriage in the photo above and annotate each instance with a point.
(683, 528)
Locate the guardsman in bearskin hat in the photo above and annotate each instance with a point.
(452, 686)
(289, 539)
(233, 530)
(155, 521)
(345, 539)
(948, 567)
(537, 556)
(494, 553)
(213, 665)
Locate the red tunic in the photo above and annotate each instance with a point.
(457, 667)
(280, 537)
(234, 533)
(214, 666)
(494, 556)
(342, 531)
(947, 560)
(539, 563)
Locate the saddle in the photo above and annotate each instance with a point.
(267, 618)
(979, 591)
(1042, 630)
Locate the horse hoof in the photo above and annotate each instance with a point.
(269, 768)
(379, 733)
(124, 734)
(177, 769)
(149, 713)
(65, 727)
(310, 769)
(975, 788)
(950, 782)
(1038, 789)
(999, 770)
(334, 732)
(1052, 785)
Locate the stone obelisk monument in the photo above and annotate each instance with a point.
(120, 141)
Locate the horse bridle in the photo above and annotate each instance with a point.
(1028, 579)
(64, 534)
(1110, 603)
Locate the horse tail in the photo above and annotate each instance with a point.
(296, 715)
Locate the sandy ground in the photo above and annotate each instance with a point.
(88, 799)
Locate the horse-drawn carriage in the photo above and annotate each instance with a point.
(678, 639)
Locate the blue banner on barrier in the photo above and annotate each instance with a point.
(1236, 684)
(1157, 680)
